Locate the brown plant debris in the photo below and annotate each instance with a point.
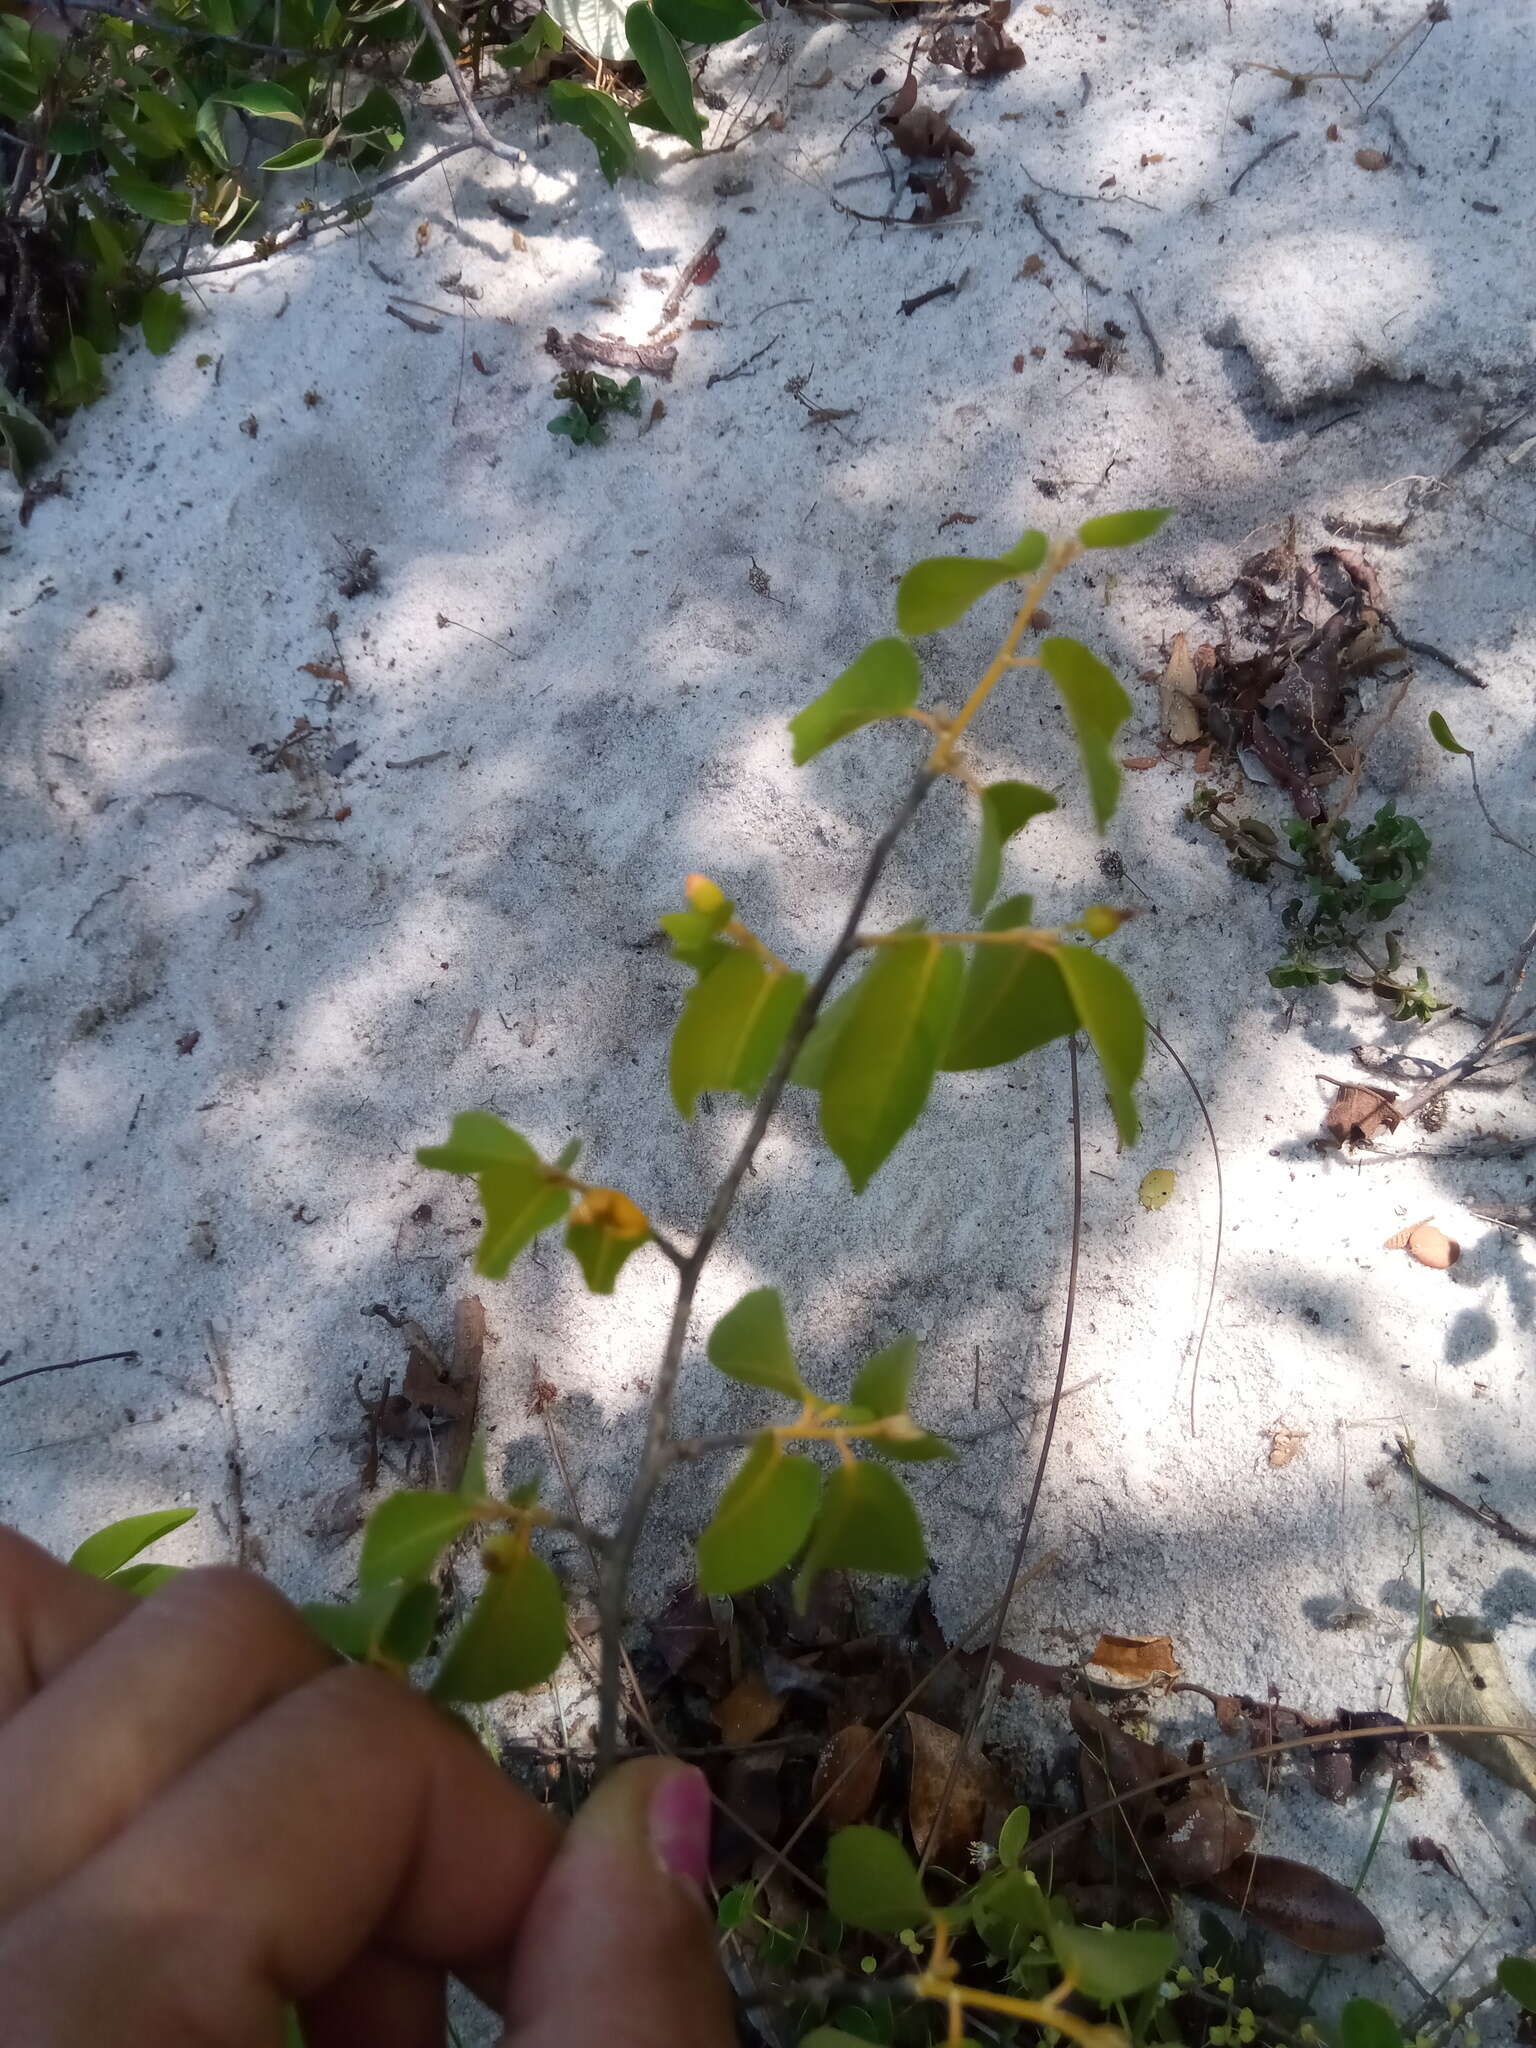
(1427, 1243)
(981, 49)
(1359, 1115)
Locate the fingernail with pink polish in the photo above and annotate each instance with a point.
(679, 1819)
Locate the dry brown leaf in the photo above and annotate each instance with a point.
(748, 1711)
(1033, 265)
(324, 671)
(1087, 348)
(847, 1776)
(1179, 695)
(984, 51)
(1308, 1907)
(1183, 1834)
(1285, 1446)
(934, 1749)
(1333, 131)
(1427, 1243)
(1466, 1681)
(1140, 762)
(1372, 159)
(924, 131)
(1136, 1660)
(1357, 1115)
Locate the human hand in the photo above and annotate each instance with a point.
(207, 1821)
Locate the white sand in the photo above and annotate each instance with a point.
(477, 939)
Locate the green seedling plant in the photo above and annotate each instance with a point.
(1353, 880)
(590, 399)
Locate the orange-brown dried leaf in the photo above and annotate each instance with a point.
(963, 1819)
(1427, 1243)
(748, 1712)
(1285, 1446)
(1137, 1659)
(1372, 159)
(1358, 1115)
(848, 1775)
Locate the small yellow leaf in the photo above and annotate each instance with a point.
(703, 894)
(610, 1210)
(1157, 1186)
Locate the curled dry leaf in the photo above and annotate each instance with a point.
(1461, 1680)
(748, 1712)
(1179, 695)
(848, 1775)
(963, 1818)
(1304, 1905)
(1427, 1243)
(1182, 1834)
(1133, 1661)
(982, 51)
(923, 131)
(1372, 159)
(1285, 1446)
(1358, 1115)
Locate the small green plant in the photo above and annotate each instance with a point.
(109, 1553)
(1353, 880)
(591, 398)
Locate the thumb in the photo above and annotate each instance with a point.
(617, 1946)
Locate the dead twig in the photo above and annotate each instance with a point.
(246, 1552)
(1490, 1518)
(686, 279)
(1032, 208)
(946, 290)
(193, 796)
(573, 350)
(1221, 1205)
(1159, 360)
(741, 369)
(1267, 151)
(461, 92)
(409, 320)
(1490, 1042)
(68, 1365)
(1433, 653)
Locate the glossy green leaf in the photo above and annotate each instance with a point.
(519, 1202)
(408, 1533)
(1109, 1010)
(540, 34)
(867, 1524)
(810, 1068)
(163, 316)
(1111, 1963)
(1009, 1909)
(708, 21)
(143, 1579)
(1006, 807)
(731, 1028)
(1012, 1000)
(881, 683)
(882, 1064)
(1365, 2024)
(873, 1884)
(477, 1140)
(143, 196)
(938, 591)
(656, 51)
(763, 1518)
(513, 1637)
(1123, 529)
(600, 120)
(1013, 1838)
(109, 1549)
(265, 101)
(750, 1343)
(1097, 708)
(1517, 1977)
(24, 440)
(377, 112)
(605, 1229)
(1444, 736)
(298, 156)
(406, 1635)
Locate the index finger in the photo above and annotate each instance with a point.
(49, 1615)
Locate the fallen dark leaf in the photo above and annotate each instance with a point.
(958, 519)
(983, 50)
(685, 1638)
(1087, 348)
(1333, 131)
(1183, 1834)
(339, 759)
(946, 1835)
(325, 671)
(479, 362)
(847, 1776)
(924, 131)
(188, 1042)
(1424, 1849)
(1358, 1115)
(340, 817)
(748, 1712)
(1304, 1905)
(943, 193)
(708, 269)
(1033, 265)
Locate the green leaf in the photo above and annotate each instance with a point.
(872, 1883)
(1010, 1909)
(1444, 736)
(1112, 1963)
(656, 52)
(693, 932)
(70, 136)
(477, 1140)
(519, 1202)
(881, 683)
(880, 1391)
(1013, 1837)
(750, 1343)
(513, 1637)
(23, 437)
(1013, 998)
(298, 156)
(143, 196)
(763, 1517)
(377, 113)
(1097, 707)
(265, 101)
(867, 1524)
(1517, 1976)
(163, 315)
(1365, 2024)
(605, 1228)
(1006, 807)
(810, 1068)
(143, 1579)
(1109, 1010)
(408, 1533)
(734, 1907)
(540, 34)
(406, 1636)
(936, 592)
(732, 1027)
(1123, 529)
(109, 1549)
(473, 1485)
(882, 1064)
(600, 120)
(708, 21)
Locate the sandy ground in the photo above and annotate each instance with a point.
(595, 653)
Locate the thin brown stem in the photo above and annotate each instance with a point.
(654, 1458)
(461, 92)
(1488, 1043)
